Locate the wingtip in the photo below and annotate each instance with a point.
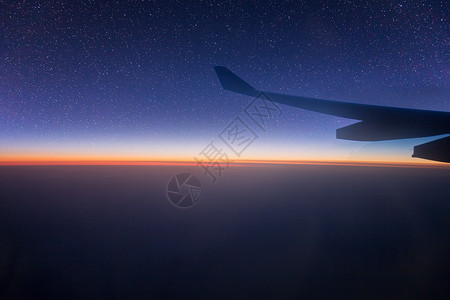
(232, 82)
(218, 68)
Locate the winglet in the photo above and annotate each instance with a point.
(232, 82)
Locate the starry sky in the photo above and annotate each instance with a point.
(134, 80)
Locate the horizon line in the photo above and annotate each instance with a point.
(247, 162)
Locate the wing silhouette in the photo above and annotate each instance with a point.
(377, 123)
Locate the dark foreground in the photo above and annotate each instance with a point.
(110, 232)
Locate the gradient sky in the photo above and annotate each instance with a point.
(134, 80)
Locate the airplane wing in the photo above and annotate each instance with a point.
(377, 123)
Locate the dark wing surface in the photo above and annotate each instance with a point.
(377, 123)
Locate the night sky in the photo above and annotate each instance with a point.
(134, 80)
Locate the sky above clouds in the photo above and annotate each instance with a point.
(135, 80)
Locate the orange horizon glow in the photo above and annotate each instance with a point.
(171, 153)
(241, 162)
(55, 157)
